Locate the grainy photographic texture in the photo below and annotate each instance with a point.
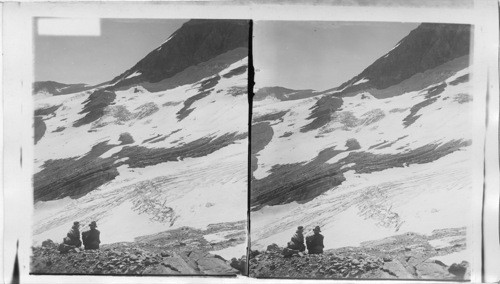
(361, 151)
(151, 151)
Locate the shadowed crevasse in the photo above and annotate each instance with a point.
(386, 144)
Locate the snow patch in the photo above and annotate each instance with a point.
(135, 74)
(387, 54)
(217, 237)
(363, 80)
(444, 242)
(232, 252)
(456, 257)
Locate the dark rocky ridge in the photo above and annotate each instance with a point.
(426, 47)
(56, 88)
(283, 94)
(195, 42)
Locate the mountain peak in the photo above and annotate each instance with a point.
(195, 42)
(424, 48)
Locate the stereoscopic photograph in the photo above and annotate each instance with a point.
(250, 141)
(141, 148)
(361, 150)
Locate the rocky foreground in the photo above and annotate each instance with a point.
(183, 251)
(407, 256)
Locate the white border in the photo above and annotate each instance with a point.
(18, 74)
(492, 181)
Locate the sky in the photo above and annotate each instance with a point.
(96, 59)
(319, 55)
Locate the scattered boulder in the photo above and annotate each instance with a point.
(432, 270)
(211, 265)
(158, 270)
(352, 144)
(254, 253)
(397, 269)
(178, 264)
(49, 244)
(459, 269)
(273, 248)
(126, 138)
(240, 265)
(64, 248)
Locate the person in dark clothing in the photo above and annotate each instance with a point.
(314, 242)
(73, 236)
(91, 238)
(297, 242)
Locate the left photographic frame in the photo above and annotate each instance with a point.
(137, 171)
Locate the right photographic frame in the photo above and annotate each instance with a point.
(363, 151)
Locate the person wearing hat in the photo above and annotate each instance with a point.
(297, 242)
(314, 241)
(91, 238)
(73, 236)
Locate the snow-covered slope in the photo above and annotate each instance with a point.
(141, 162)
(367, 163)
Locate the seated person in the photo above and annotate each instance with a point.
(297, 242)
(73, 236)
(314, 242)
(91, 238)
